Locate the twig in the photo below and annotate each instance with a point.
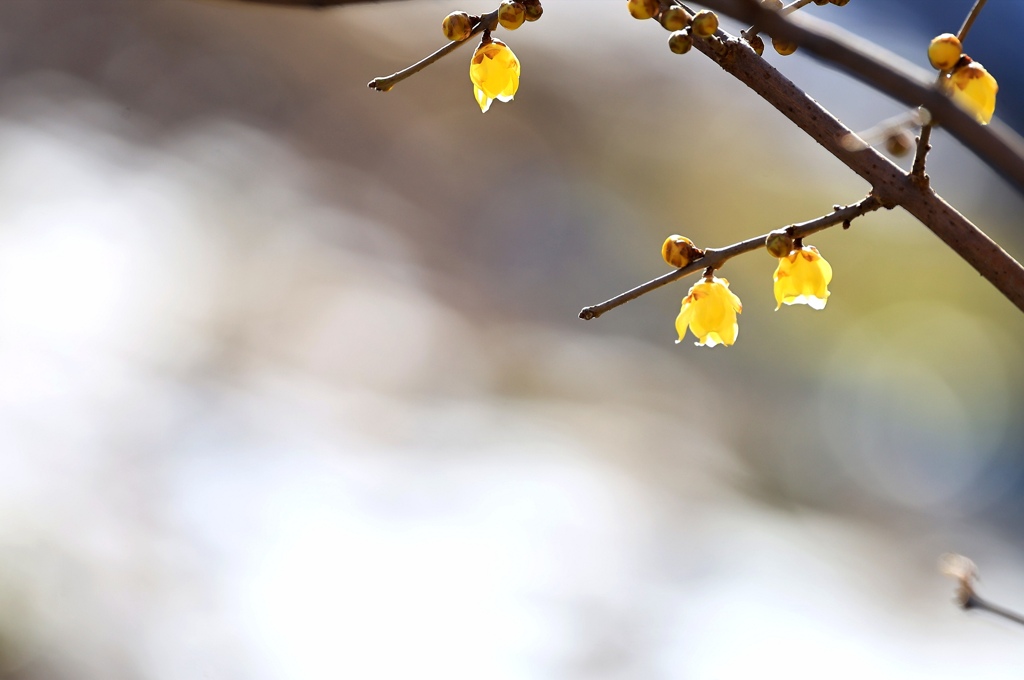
(752, 32)
(923, 141)
(965, 28)
(965, 572)
(716, 257)
(975, 602)
(383, 84)
(877, 132)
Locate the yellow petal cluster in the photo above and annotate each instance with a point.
(802, 278)
(974, 89)
(494, 71)
(709, 310)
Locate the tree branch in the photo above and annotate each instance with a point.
(715, 257)
(890, 183)
(876, 67)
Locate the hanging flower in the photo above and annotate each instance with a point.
(494, 71)
(710, 311)
(974, 89)
(802, 278)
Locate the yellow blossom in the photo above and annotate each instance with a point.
(944, 51)
(802, 278)
(710, 310)
(494, 71)
(974, 89)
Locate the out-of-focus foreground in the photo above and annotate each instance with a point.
(293, 385)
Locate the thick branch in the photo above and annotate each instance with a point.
(877, 68)
(888, 181)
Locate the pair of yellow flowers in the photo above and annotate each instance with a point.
(710, 308)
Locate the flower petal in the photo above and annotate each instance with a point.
(974, 89)
(710, 311)
(482, 99)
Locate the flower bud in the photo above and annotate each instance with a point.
(756, 44)
(680, 42)
(839, 3)
(944, 51)
(775, 5)
(511, 15)
(899, 142)
(704, 24)
(674, 19)
(533, 9)
(784, 47)
(679, 251)
(779, 243)
(642, 9)
(457, 26)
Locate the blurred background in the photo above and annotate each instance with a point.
(293, 384)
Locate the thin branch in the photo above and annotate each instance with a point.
(716, 257)
(965, 28)
(975, 602)
(383, 84)
(877, 68)
(965, 572)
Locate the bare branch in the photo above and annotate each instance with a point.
(715, 257)
(965, 572)
(385, 83)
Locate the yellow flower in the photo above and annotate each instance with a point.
(710, 311)
(974, 89)
(494, 71)
(802, 278)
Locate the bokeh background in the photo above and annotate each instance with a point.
(293, 384)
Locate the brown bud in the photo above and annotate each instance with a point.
(533, 9)
(756, 44)
(704, 24)
(784, 47)
(680, 42)
(679, 251)
(457, 26)
(674, 19)
(899, 142)
(779, 243)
